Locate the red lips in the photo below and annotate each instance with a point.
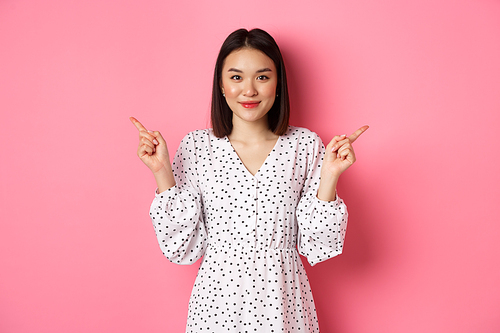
(249, 104)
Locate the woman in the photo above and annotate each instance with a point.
(246, 194)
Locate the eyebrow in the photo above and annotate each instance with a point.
(259, 71)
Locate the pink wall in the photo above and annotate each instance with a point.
(77, 249)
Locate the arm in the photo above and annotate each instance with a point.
(176, 211)
(321, 215)
(321, 223)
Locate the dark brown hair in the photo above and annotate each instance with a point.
(279, 114)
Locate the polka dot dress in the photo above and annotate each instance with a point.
(249, 229)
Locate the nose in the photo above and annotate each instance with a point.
(249, 89)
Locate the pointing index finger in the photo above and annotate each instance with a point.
(137, 124)
(356, 134)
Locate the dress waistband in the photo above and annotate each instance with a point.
(247, 247)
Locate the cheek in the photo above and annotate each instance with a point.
(229, 89)
(269, 90)
(232, 91)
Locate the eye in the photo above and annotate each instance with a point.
(235, 77)
(262, 77)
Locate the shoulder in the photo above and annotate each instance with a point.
(201, 139)
(302, 136)
(199, 136)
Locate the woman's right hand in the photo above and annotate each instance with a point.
(152, 148)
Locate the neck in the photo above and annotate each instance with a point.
(251, 131)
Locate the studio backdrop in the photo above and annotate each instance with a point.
(78, 251)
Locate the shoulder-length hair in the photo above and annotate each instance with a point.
(279, 114)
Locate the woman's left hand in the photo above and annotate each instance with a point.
(339, 154)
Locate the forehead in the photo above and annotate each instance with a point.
(248, 59)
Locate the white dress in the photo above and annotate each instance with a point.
(247, 229)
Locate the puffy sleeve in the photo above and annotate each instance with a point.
(322, 224)
(177, 213)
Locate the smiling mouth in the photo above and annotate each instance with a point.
(249, 105)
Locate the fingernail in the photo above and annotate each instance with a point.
(150, 131)
(155, 142)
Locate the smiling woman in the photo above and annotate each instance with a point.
(262, 47)
(248, 196)
(249, 84)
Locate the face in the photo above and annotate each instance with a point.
(249, 81)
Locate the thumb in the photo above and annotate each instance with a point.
(335, 139)
(159, 137)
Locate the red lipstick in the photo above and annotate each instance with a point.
(250, 104)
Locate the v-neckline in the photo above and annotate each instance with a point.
(263, 163)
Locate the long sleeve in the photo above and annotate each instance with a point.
(322, 224)
(177, 213)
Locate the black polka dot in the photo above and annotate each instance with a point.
(249, 229)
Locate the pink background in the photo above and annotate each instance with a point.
(77, 249)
